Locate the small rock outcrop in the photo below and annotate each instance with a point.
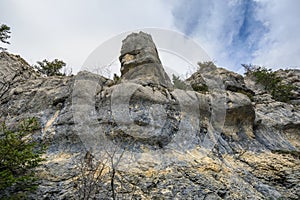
(277, 118)
(154, 141)
(13, 70)
(231, 81)
(140, 62)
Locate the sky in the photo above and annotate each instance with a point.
(231, 32)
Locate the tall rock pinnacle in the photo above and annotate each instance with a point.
(140, 62)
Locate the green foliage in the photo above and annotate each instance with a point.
(116, 78)
(282, 92)
(248, 94)
(4, 33)
(179, 84)
(19, 154)
(272, 83)
(51, 68)
(200, 88)
(206, 65)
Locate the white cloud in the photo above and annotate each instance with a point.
(280, 48)
(71, 29)
(235, 31)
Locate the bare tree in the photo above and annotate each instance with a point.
(91, 175)
(99, 178)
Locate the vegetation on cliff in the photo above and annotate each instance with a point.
(4, 33)
(272, 83)
(19, 154)
(51, 68)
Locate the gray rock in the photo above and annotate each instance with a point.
(233, 81)
(240, 116)
(161, 143)
(140, 62)
(208, 71)
(13, 69)
(277, 123)
(197, 82)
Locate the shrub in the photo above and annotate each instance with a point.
(179, 84)
(268, 79)
(206, 65)
(19, 154)
(116, 78)
(200, 88)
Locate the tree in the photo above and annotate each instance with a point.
(19, 154)
(51, 68)
(4, 34)
(99, 176)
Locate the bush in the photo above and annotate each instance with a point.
(206, 66)
(200, 88)
(19, 154)
(179, 84)
(268, 79)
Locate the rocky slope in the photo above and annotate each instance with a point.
(154, 141)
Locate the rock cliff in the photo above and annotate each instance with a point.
(152, 140)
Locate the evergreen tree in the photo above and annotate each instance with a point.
(272, 83)
(4, 34)
(19, 154)
(51, 68)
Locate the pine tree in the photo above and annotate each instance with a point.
(19, 154)
(51, 68)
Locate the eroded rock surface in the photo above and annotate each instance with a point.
(140, 62)
(166, 143)
(13, 69)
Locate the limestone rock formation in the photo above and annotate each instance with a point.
(13, 69)
(229, 80)
(140, 62)
(154, 141)
(277, 118)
